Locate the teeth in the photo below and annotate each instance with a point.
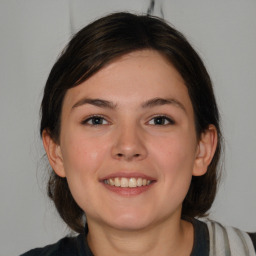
(132, 183)
(111, 182)
(139, 182)
(127, 182)
(117, 182)
(124, 183)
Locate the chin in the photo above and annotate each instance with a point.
(131, 221)
(130, 225)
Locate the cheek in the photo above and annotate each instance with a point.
(82, 160)
(174, 159)
(175, 153)
(81, 156)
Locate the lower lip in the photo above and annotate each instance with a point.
(128, 191)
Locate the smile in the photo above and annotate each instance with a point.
(127, 182)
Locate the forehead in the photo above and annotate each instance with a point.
(133, 78)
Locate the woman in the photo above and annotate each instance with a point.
(131, 129)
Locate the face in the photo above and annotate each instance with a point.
(128, 145)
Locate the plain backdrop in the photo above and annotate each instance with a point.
(33, 33)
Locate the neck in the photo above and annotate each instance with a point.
(167, 238)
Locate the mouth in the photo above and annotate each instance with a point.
(132, 182)
(128, 184)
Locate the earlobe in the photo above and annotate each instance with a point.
(54, 154)
(206, 150)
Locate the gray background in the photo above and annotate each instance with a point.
(33, 32)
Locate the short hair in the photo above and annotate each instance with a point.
(92, 48)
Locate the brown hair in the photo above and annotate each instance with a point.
(95, 46)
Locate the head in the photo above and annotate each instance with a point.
(95, 47)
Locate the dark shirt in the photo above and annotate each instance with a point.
(78, 246)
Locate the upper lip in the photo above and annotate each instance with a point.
(127, 175)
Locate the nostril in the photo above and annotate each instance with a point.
(120, 155)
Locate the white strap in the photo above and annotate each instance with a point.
(228, 241)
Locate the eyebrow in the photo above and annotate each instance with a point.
(161, 101)
(96, 102)
(148, 104)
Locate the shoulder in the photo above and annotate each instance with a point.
(201, 238)
(230, 238)
(253, 237)
(65, 247)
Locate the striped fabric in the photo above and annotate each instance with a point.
(229, 241)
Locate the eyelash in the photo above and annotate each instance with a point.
(94, 117)
(165, 118)
(102, 120)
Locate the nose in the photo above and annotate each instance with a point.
(129, 144)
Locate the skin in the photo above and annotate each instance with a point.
(124, 140)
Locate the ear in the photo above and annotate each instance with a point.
(205, 151)
(54, 154)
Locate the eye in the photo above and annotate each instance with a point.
(95, 120)
(161, 120)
